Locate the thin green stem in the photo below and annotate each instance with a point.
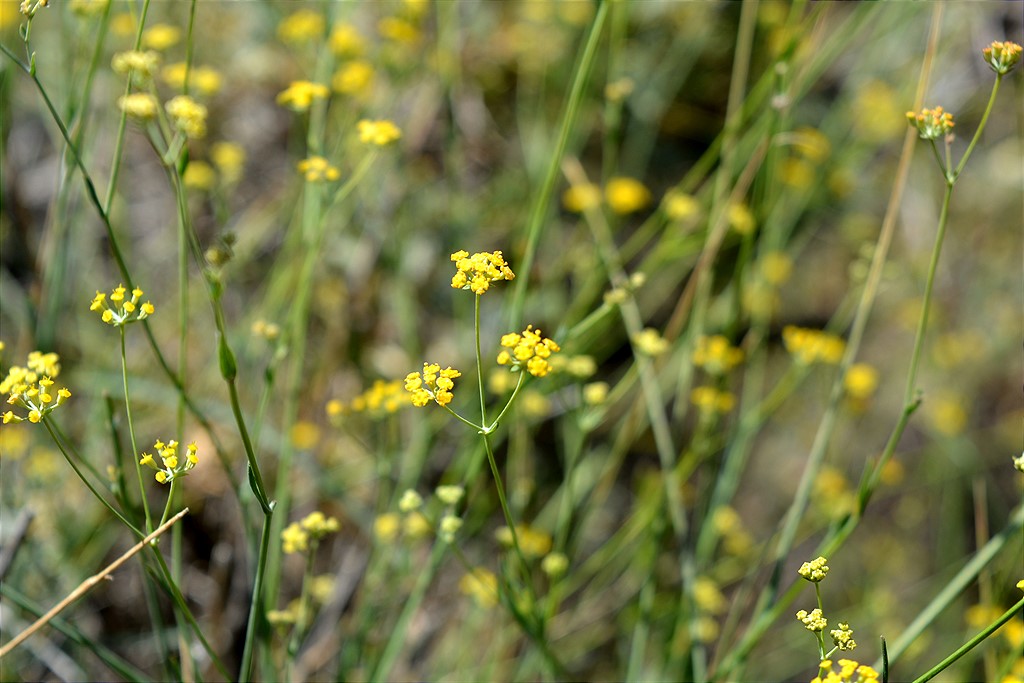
(981, 127)
(511, 399)
(245, 668)
(479, 360)
(131, 431)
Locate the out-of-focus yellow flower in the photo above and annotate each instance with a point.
(776, 267)
(619, 89)
(120, 24)
(82, 8)
(626, 195)
(138, 105)
(809, 346)
(346, 42)
(532, 542)
(229, 159)
(947, 414)
(317, 169)
(482, 586)
(187, 115)
(681, 207)
(137, 64)
(580, 198)
(305, 435)
(398, 30)
(797, 173)
(161, 36)
(353, 78)
(303, 26)
(650, 342)
(876, 113)
(204, 80)
(741, 219)
(812, 144)
(387, 526)
(299, 95)
(710, 400)
(379, 133)
(595, 393)
(199, 175)
(716, 355)
(861, 381)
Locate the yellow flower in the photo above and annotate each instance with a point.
(204, 80)
(812, 346)
(554, 564)
(317, 169)
(171, 467)
(580, 198)
(353, 78)
(931, 124)
(305, 435)
(529, 350)
(716, 355)
(123, 312)
(84, 8)
(861, 381)
(814, 571)
(626, 195)
(299, 95)
(398, 30)
(379, 133)
(302, 26)
(141, 106)
(31, 388)
(345, 41)
(481, 585)
(650, 342)
(741, 219)
(681, 207)
(386, 527)
(776, 267)
(477, 272)
(229, 159)
(199, 175)
(812, 621)
(294, 539)
(137, 64)
(947, 414)
(1002, 56)
(161, 36)
(710, 400)
(432, 384)
(187, 115)
(595, 393)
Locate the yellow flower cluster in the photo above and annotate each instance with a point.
(318, 169)
(380, 133)
(187, 115)
(815, 570)
(711, 400)
(861, 381)
(299, 95)
(353, 78)
(345, 41)
(477, 272)
(529, 348)
(302, 26)
(812, 621)
(812, 346)
(623, 195)
(843, 637)
(716, 355)
(199, 175)
(204, 80)
(139, 65)
(931, 124)
(172, 467)
(849, 672)
(649, 342)
(481, 585)
(382, 398)
(122, 312)
(296, 536)
(1002, 56)
(432, 384)
(532, 542)
(229, 158)
(161, 36)
(141, 106)
(31, 388)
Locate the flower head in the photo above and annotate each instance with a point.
(843, 637)
(716, 355)
(528, 349)
(140, 106)
(1002, 57)
(381, 399)
(318, 169)
(140, 66)
(118, 311)
(710, 400)
(302, 26)
(580, 198)
(813, 621)
(31, 388)
(187, 115)
(204, 80)
(171, 466)
(649, 342)
(379, 133)
(299, 95)
(931, 124)
(477, 272)
(229, 158)
(809, 346)
(161, 36)
(353, 78)
(345, 41)
(432, 384)
(626, 195)
(849, 672)
(298, 537)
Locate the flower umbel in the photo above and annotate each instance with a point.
(931, 124)
(849, 672)
(433, 384)
(31, 388)
(296, 536)
(318, 169)
(299, 95)
(815, 570)
(528, 349)
(812, 346)
(843, 637)
(188, 115)
(1002, 57)
(813, 621)
(118, 311)
(171, 466)
(477, 272)
(379, 133)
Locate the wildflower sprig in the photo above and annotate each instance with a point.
(171, 466)
(303, 536)
(432, 384)
(931, 124)
(527, 350)
(477, 272)
(1002, 56)
(117, 311)
(814, 621)
(31, 388)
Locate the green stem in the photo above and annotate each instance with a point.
(970, 644)
(250, 630)
(131, 431)
(479, 361)
(511, 399)
(981, 127)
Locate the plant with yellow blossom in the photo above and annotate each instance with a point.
(31, 388)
